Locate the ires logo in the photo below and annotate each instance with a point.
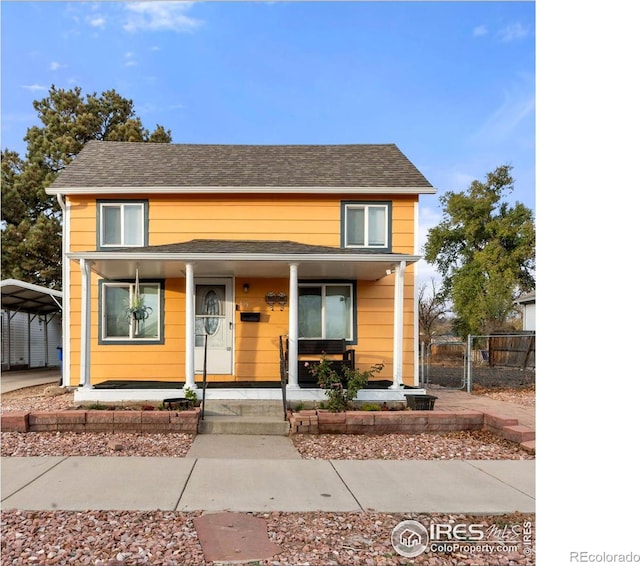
(445, 532)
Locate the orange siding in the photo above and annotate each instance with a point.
(313, 219)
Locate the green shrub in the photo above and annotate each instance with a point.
(341, 389)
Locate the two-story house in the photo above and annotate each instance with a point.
(242, 244)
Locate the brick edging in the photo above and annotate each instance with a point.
(101, 421)
(314, 421)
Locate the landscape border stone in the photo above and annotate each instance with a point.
(101, 421)
(321, 421)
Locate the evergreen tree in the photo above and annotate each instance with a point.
(31, 229)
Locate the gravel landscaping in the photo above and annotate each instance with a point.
(110, 538)
(117, 538)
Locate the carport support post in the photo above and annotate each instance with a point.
(85, 322)
(293, 327)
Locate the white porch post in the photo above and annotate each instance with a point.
(293, 327)
(398, 307)
(190, 331)
(85, 325)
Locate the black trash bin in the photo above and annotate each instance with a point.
(421, 402)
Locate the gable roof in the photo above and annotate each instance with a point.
(120, 167)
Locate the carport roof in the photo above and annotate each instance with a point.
(27, 297)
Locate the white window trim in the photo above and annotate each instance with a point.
(323, 295)
(132, 338)
(121, 205)
(366, 207)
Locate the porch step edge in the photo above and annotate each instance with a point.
(222, 407)
(258, 425)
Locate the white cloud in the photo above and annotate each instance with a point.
(481, 30)
(159, 16)
(129, 59)
(518, 104)
(97, 21)
(513, 32)
(34, 87)
(428, 217)
(54, 66)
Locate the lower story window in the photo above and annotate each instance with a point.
(120, 322)
(326, 311)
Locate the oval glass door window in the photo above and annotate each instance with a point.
(212, 308)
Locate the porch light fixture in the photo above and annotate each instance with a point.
(282, 299)
(245, 288)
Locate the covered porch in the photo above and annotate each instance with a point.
(190, 265)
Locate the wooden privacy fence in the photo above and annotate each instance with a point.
(511, 350)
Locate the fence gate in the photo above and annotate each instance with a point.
(444, 365)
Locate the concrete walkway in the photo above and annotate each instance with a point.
(12, 380)
(457, 400)
(210, 484)
(265, 473)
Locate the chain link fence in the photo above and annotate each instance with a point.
(492, 361)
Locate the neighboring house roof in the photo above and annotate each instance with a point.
(527, 298)
(158, 167)
(27, 297)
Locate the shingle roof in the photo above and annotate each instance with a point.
(148, 165)
(235, 247)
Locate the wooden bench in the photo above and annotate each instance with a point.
(310, 352)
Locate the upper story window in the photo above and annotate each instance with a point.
(122, 223)
(366, 225)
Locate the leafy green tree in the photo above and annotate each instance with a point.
(31, 229)
(485, 251)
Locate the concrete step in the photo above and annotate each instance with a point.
(256, 425)
(246, 408)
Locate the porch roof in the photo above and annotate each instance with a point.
(243, 258)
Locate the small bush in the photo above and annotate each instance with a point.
(341, 389)
(371, 407)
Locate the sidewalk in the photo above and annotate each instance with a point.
(186, 484)
(265, 473)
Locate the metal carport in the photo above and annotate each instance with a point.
(28, 334)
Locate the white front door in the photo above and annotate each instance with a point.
(214, 326)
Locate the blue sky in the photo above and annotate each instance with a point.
(451, 83)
